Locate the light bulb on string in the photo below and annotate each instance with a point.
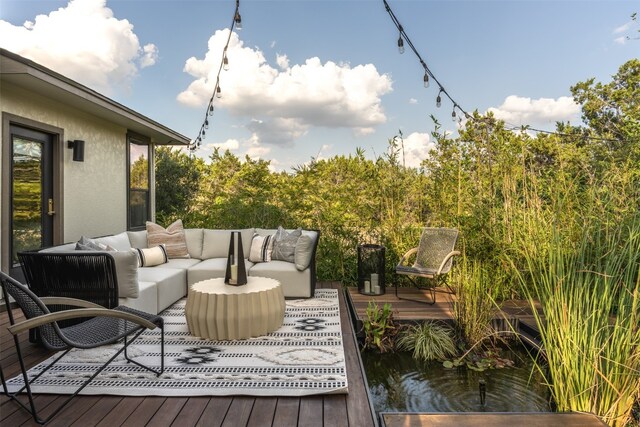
(426, 79)
(218, 92)
(203, 134)
(453, 114)
(206, 123)
(211, 109)
(238, 20)
(225, 61)
(439, 99)
(400, 44)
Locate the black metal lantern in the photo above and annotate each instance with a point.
(236, 273)
(371, 269)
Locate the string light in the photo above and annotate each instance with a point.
(225, 61)
(236, 23)
(427, 73)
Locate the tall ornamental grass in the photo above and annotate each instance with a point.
(589, 292)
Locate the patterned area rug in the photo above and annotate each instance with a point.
(304, 357)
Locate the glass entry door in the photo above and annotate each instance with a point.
(32, 203)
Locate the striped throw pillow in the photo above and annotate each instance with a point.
(149, 257)
(261, 247)
(172, 237)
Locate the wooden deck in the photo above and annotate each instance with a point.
(407, 307)
(353, 409)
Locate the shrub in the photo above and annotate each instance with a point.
(428, 341)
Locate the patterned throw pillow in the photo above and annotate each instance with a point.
(86, 244)
(149, 257)
(284, 244)
(261, 248)
(172, 237)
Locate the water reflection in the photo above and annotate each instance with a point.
(399, 383)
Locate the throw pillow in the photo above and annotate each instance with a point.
(303, 252)
(149, 257)
(87, 244)
(284, 244)
(261, 248)
(172, 237)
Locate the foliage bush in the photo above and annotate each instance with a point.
(379, 328)
(427, 341)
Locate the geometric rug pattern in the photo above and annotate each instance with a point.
(304, 357)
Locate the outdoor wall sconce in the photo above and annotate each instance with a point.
(78, 149)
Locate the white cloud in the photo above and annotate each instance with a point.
(83, 41)
(620, 40)
(416, 148)
(291, 99)
(413, 101)
(230, 144)
(623, 28)
(519, 110)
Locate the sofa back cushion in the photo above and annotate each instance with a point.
(119, 242)
(216, 242)
(194, 237)
(173, 237)
(138, 239)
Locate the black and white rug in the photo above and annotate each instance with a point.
(304, 357)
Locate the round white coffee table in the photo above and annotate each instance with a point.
(219, 311)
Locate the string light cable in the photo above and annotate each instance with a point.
(236, 23)
(428, 74)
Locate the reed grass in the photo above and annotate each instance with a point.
(589, 292)
(428, 341)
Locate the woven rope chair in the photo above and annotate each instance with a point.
(105, 326)
(433, 259)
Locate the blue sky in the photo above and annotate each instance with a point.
(518, 58)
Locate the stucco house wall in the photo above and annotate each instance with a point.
(95, 190)
(90, 196)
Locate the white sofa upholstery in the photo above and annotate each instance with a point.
(153, 289)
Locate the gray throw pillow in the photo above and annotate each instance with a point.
(86, 244)
(284, 244)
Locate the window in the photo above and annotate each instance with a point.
(138, 194)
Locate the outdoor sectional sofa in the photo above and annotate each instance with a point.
(153, 289)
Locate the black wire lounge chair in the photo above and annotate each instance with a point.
(433, 260)
(105, 326)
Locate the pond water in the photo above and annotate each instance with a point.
(398, 383)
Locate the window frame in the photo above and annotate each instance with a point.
(137, 139)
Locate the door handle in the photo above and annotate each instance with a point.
(50, 210)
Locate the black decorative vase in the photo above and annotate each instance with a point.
(236, 273)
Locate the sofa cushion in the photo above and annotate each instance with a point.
(147, 301)
(210, 269)
(138, 239)
(295, 283)
(303, 252)
(173, 238)
(182, 263)
(60, 248)
(119, 242)
(216, 242)
(284, 244)
(171, 283)
(194, 238)
(149, 257)
(261, 248)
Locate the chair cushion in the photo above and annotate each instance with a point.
(194, 238)
(211, 269)
(216, 242)
(173, 238)
(138, 239)
(295, 283)
(120, 241)
(429, 273)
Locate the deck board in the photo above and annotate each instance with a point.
(353, 409)
(540, 419)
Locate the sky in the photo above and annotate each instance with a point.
(318, 78)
